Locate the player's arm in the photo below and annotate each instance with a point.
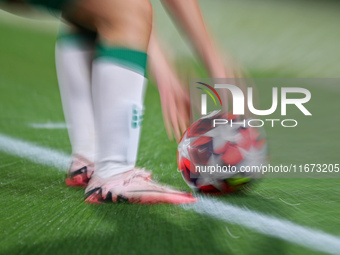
(174, 97)
(188, 17)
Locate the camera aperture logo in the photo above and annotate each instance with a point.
(204, 96)
(238, 104)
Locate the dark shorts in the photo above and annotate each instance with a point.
(54, 5)
(51, 5)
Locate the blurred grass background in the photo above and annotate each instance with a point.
(271, 38)
(288, 38)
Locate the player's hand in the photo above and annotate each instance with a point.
(175, 100)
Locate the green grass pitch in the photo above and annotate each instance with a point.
(40, 215)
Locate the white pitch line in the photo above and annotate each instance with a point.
(34, 153)
(48, 125)
(268, 225)
(261, 223)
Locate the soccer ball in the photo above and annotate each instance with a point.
(222, 159)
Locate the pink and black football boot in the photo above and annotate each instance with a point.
(79, 172)
(134, 186)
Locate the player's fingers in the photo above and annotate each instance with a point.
(167, 124)
(184, 108)
(168, 128)
(187, 106)
(173, 118)
(175, 126)
(183, 123)
(166, 118)
(183, 116)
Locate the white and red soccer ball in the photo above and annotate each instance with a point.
(222, 159)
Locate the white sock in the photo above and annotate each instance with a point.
(118, 85)
(74, 54)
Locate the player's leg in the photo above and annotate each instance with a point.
(118, 84)
(74, 53)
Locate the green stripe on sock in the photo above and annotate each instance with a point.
(127, 58)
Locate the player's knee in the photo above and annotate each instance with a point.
(137, 16)
(131, 26)
(147, 12)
